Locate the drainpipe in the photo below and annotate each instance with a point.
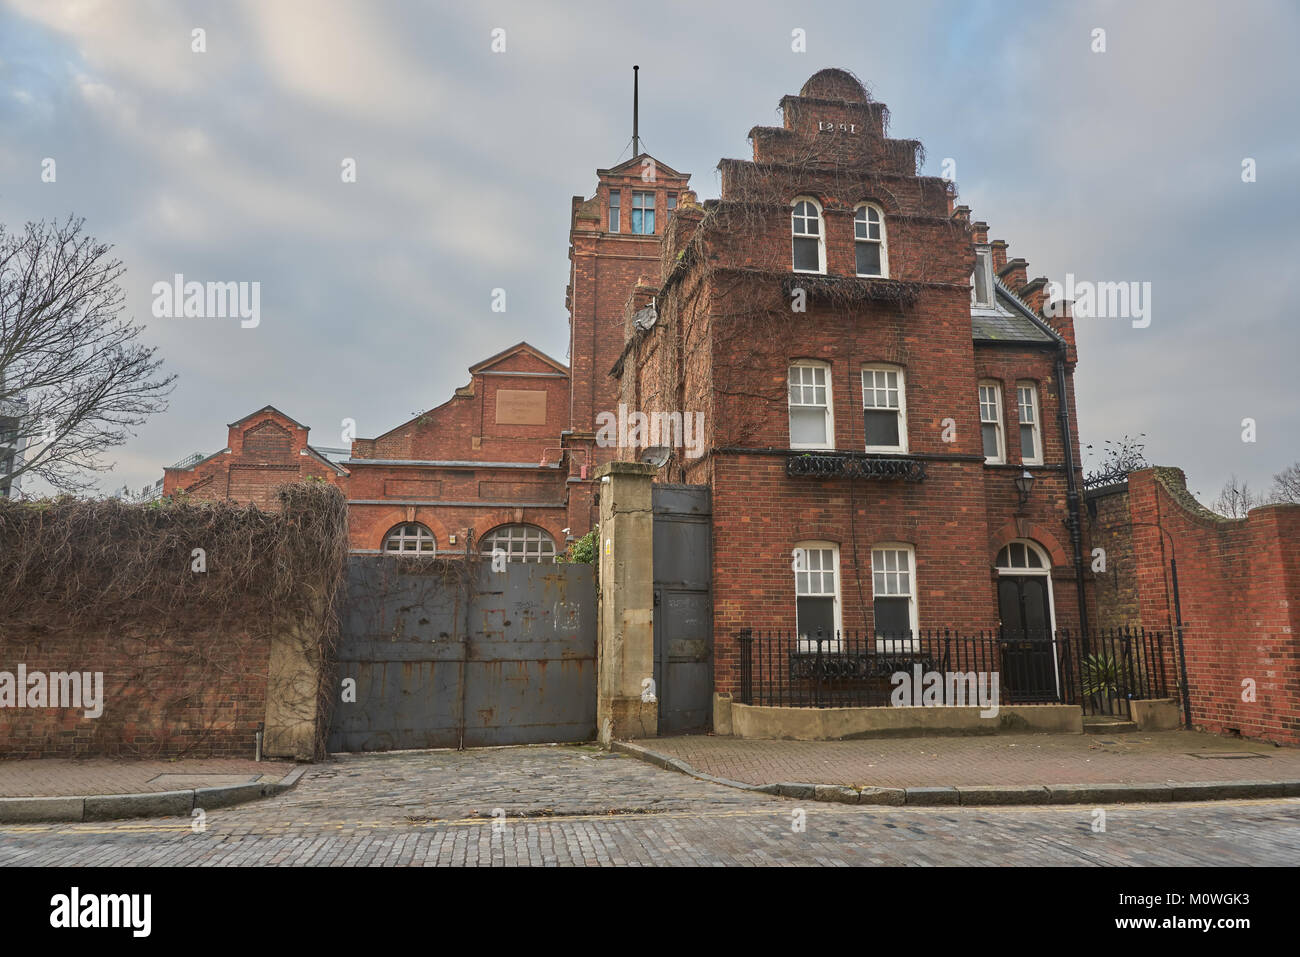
(257, 742)
(1072, 497)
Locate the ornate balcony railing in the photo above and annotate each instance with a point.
(859, 465)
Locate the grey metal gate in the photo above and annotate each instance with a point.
(450, 654)
(683, 621)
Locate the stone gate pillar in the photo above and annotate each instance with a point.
(625, 645)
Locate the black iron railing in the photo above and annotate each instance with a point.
(851, 669)
(857, 465)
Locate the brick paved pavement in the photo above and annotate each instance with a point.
(58, 777)
(1033, 759)
(576, 805)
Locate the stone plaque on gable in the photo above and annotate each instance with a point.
(521, 407)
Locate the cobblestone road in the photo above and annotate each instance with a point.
(576, 805)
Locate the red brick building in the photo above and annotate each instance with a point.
(487, 464)
(264, 450)
(874, 377)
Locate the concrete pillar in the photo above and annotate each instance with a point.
(625, 648)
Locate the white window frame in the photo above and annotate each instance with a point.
(821, 235)
(996, 386)
(524, 535)
(399, 534)
(890, 645)
(1023, 387)
(830, 403)
(874, 367)
(983, 266)
(882, 242)
(801, 566)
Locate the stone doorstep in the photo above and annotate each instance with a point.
(984, 795)
(109, 807)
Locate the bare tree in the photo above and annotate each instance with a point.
(73, 379)
(1236, 499)
(1286, 485)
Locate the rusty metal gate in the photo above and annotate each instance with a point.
(449, 653)
(683, 620)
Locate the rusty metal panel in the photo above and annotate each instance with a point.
(531, 665)
(441, 660)
(683, 621)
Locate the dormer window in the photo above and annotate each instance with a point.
(809, 253)
(869, 241)
(981, 280)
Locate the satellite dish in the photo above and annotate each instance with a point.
(656, 455)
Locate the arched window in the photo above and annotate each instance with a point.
(1022, 557)
(409, 538)
(869, 241)
(521, 543)
(809, 242)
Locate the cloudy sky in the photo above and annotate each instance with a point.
(1123, 165)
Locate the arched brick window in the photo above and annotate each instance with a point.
(521, 543)
(807, 236)
(409, 538)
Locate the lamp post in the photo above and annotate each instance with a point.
(1178, 620)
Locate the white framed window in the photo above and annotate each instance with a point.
(893, 597)
(981, 280)
(643, 213)
(817, 592)
(807, 236)
(869, 246)
(884, 408)
(995, 452)
(521, 543)
(1031, 440)
(812, 419)
(615, 209)
(409, 538)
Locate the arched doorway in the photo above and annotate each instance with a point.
(1030, 664)
(1025, 591)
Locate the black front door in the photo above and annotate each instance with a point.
(1028, 654)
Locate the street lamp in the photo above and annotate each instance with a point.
(1024, 485)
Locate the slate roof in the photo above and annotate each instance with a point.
(1012, 321)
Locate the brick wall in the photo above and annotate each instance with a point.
(1239, 584)
(193, 660)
